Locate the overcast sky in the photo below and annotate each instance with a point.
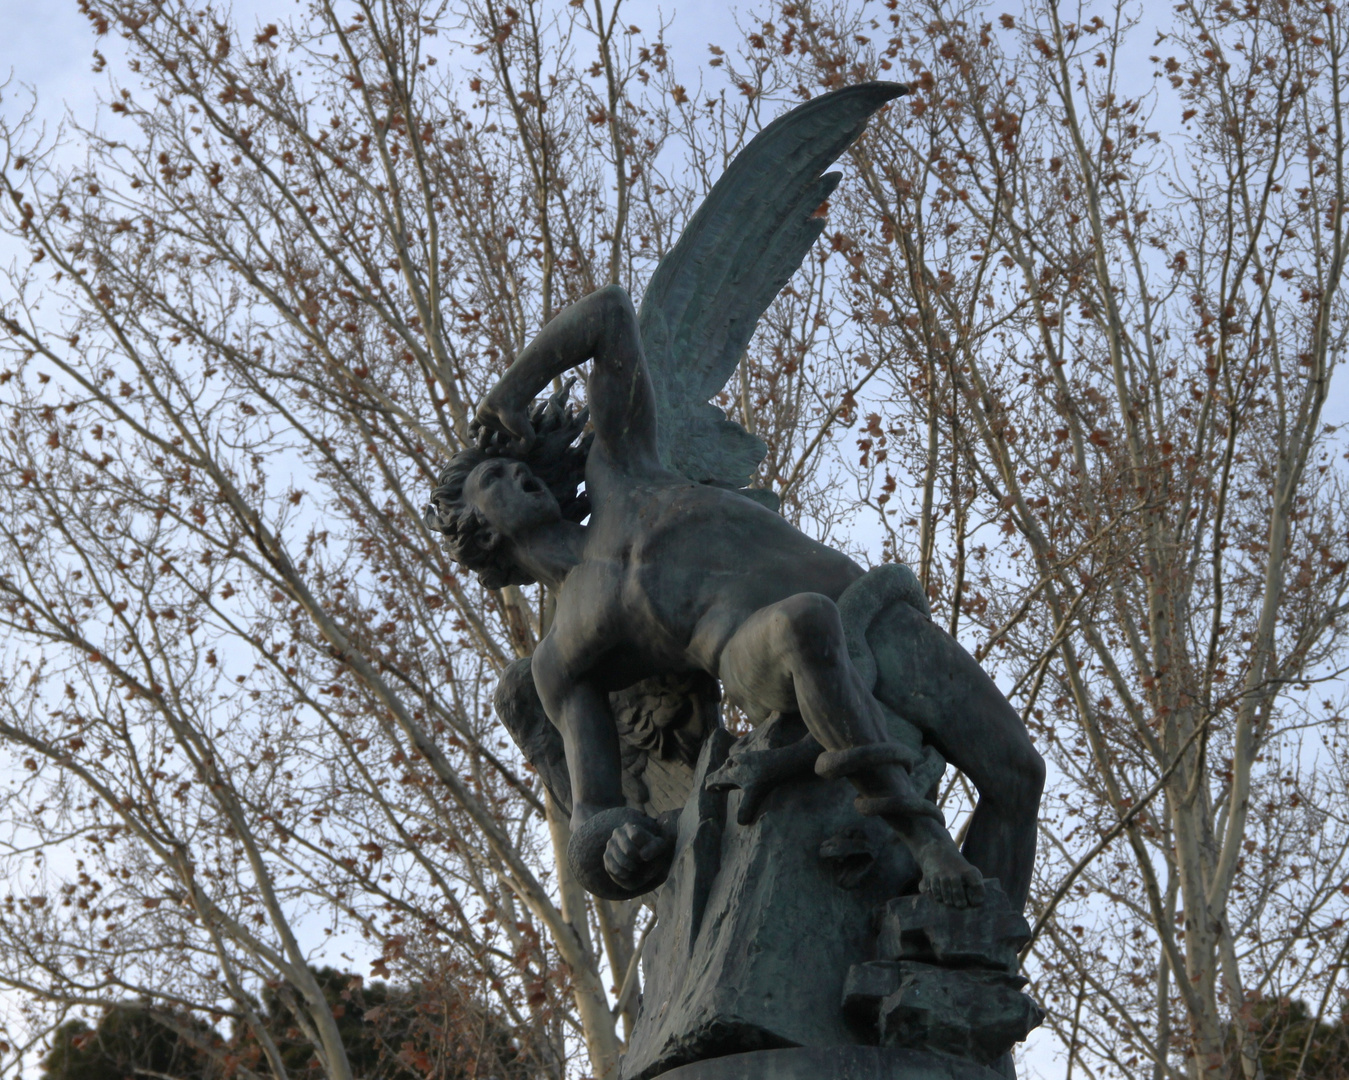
(48, 46)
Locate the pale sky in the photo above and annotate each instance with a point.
(48, 45)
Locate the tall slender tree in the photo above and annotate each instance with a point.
(247, 697)
(1103, 279)
(1067, 350)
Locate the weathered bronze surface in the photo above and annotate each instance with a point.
(675, 583)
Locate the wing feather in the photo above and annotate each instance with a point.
(735, 255)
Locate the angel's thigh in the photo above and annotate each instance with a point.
(926, 677)
(792, 657)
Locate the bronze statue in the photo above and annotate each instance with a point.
(669, 567)
(789, 916)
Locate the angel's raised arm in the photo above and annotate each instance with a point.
(603, 326)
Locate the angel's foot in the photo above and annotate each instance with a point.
(887, 791)
(758, 772)
(947, 876)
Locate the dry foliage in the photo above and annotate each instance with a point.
(247, 695)
(1077, 321)
(1103, 276)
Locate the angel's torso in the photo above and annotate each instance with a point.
(671, 570)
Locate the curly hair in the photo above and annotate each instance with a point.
(469, 539)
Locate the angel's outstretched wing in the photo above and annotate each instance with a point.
(735, 255)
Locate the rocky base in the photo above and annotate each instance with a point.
(760, 923)
(791, 941)
(947, 980)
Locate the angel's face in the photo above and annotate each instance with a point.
(510, 498)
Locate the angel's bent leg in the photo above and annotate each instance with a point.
(926, 677)
(792, 657)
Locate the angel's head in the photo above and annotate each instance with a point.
(489, 496)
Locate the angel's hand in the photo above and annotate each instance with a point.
(633, 855)
(499, 413)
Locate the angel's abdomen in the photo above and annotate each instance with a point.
(708, 552)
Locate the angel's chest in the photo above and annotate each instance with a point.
(611, 625)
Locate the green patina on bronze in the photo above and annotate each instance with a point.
(675, 582)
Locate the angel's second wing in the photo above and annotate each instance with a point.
(735, 255)
(661, 724)
(521, 713)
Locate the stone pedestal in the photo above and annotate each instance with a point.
(760, 923)
(794, 946)
(833, 1063)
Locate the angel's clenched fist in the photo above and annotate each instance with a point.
(633, 853)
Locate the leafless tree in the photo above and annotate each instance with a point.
(247, 698)
(1067, 351)
(1104, 278)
